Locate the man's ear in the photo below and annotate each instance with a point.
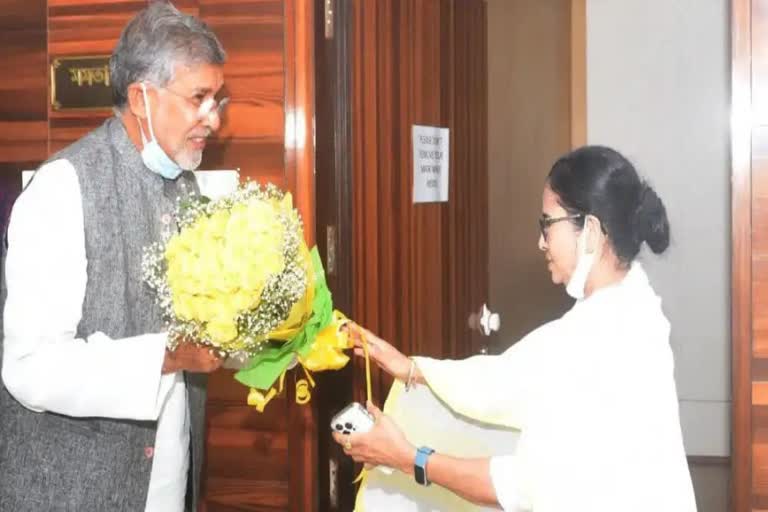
(136, 101)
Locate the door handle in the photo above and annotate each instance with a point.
(485, 322)
(489, 322)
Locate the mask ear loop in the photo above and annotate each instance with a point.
(149, 115)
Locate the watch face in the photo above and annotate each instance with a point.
(419, 476)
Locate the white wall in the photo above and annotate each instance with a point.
(658, 90)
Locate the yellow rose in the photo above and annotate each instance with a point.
(218, 267)
(182, 306)
(218, 223)
(221, 331)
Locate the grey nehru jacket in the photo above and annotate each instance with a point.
(50, 462)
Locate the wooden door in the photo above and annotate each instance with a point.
(417, 270)
(750, 255)
(256, 462)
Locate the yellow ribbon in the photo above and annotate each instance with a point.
(259, 400)
(303, 386)
(369, 395)
(368, 392)
(327, 349)
(325, 353)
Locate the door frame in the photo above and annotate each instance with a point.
(741, 256)
(333, 185)
(300, 162)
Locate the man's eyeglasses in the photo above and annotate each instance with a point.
(545, 222)
(204, 103)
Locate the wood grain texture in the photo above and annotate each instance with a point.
(741, 271)
(578, 72)
(23, 111)
(749, 275)
(255, 461)
(419, 270)
(251, 31)
(299, 174)
(333, 162)
(10, 187)
(759, 62)
(252, 135)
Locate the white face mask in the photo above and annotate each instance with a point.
(152, 154)
(584, 263)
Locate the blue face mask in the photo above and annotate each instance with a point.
(153, 155)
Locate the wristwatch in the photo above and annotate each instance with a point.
(420, 465)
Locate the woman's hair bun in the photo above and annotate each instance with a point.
(651, 221)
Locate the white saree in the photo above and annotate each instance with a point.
(580, 415)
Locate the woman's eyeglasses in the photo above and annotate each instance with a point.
(545, 222)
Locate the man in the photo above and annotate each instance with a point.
(95, 413)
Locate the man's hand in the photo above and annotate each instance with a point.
(191, 358)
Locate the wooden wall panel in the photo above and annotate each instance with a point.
(246, 465)
(251, 138)
(257, 462)
(749, 144)
(23, 113)
(299, 105)
(741, 259)
(759, 299)
(87, 27)
(760, 62)
(419, 270)
(10, 188)
(578, 73)
(759, 244)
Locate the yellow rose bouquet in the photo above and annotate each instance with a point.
(238, 277)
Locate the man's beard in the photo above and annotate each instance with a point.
(189, 160)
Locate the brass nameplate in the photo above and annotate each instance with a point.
(80, 83)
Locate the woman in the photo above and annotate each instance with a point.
(592, 393)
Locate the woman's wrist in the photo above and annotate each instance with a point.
(413, 375)
(401, 369)
(406, 459)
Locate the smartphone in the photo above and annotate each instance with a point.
(352, 418)
(356, 418)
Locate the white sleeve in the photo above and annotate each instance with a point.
(506, 479)
(45, 367)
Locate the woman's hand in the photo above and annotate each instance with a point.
(384, 445)
(383, 354)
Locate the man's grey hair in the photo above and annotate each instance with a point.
(154, 42)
